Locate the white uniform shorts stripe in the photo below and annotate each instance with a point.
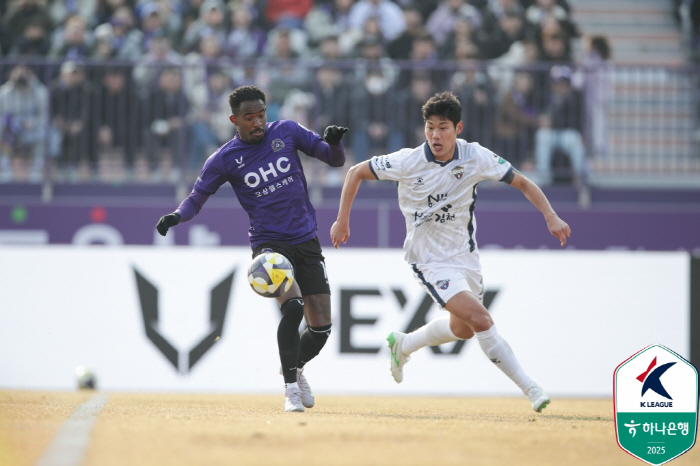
(430, 288)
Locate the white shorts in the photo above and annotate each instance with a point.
(443, 281)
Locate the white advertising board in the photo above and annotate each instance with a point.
(571, 318)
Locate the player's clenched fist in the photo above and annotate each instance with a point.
(340, 232)
(559, 229)
(333, 134)
(167, 221)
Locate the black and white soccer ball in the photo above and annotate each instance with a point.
(270, 275)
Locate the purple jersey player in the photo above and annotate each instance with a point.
(262, 164)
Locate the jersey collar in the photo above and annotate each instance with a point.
(431, 158)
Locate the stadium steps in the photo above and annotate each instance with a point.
(651, 116)
(652, 124)
(639, 31)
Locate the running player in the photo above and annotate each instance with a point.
(437, 190)
(262, 165)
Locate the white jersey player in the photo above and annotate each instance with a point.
(437, 190)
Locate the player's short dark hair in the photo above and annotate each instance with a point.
(243, 94)
(444, 104)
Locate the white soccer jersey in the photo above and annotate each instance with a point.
(437, 198)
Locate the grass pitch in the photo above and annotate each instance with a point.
(187, 429)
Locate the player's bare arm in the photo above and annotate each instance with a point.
(340, 230)
(557, 227)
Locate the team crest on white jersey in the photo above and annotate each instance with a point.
(277, 144)
(443, 284)
(458, 172)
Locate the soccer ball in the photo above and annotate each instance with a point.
(86, 378)
(270, 275)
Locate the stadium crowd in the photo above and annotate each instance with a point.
(145, 82)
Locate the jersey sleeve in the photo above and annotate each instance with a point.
(387, 167)
(212, 176)
(491, 166)
(306, 140)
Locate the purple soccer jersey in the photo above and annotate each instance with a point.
(268, 180)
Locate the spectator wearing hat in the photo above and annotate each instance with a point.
(24, 107)
(561, 127)
(35, 40)
(17, 16)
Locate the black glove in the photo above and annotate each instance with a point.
(333, 134)
(167, 221)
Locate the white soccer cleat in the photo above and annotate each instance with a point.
(306, 395)
(292, 400)
(398, 359)
(538, 398)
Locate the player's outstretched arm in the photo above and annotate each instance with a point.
(557, 227)
(340, 230)
(185, 212)
(167, 221)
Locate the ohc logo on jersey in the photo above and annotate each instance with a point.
(655, 393)
(458, 172)
(252, 179)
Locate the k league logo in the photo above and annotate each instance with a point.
(653, 381)
(655, 394)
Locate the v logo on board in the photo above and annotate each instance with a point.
(655, 393)
(148, 297)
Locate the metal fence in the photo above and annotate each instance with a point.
(156, 122)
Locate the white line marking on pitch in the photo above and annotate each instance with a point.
(68, 446)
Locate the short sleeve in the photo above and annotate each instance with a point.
(387, 167)
(491, 166)
(211, 177)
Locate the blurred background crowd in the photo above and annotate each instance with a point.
(136, 90)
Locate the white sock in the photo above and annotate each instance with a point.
(499, 352)
(291, 386)
(435, 332)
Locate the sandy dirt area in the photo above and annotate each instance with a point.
(140, 429)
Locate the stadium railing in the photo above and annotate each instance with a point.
(639, 124)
